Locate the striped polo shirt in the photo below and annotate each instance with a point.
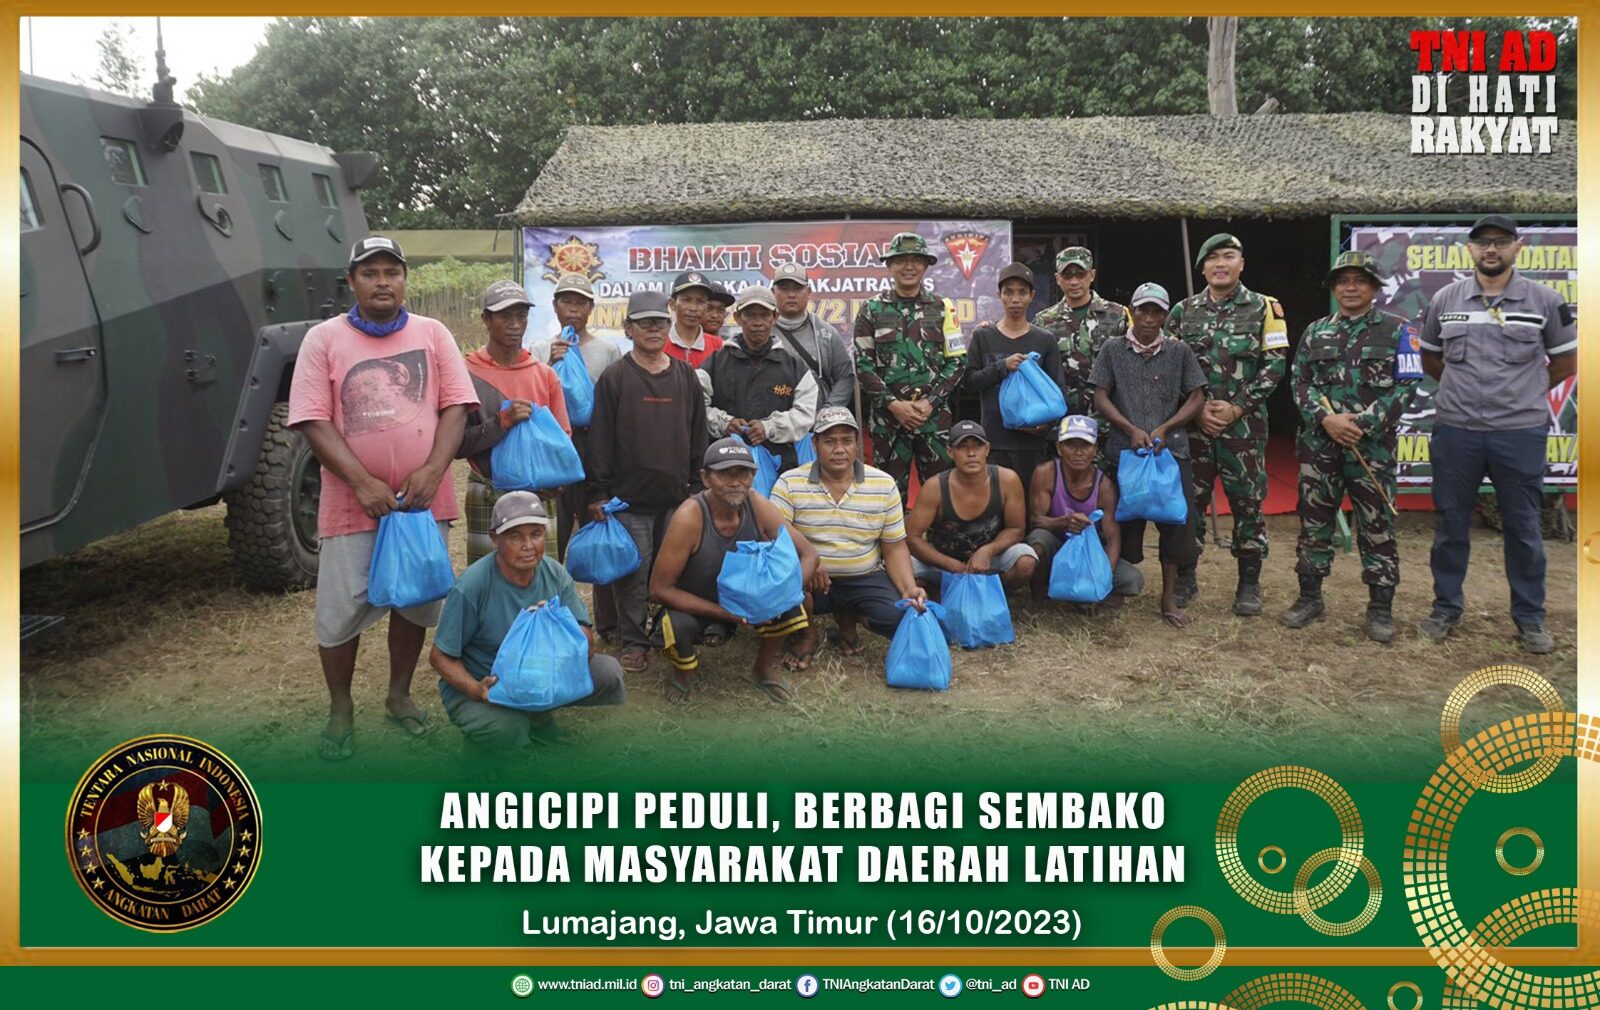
(846, 533)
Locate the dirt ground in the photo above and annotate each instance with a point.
(161, 635)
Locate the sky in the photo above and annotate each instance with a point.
(64, 48)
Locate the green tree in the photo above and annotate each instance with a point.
(116, 70)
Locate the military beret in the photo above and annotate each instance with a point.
(1221, 240)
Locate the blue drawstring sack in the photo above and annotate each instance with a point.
(543, 663)
(535, 455)
(410, 562)
(919, 654)
(760, 579)
(1028, 397)
(1081, 571)
(576, 386)
(805, 451)
(976, 609)
(766, 467)
(602, 553)
(1150, 486)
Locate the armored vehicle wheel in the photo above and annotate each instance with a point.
(272, 520)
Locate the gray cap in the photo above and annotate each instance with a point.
(373, 245)
(793, 272)
(728, 452)
(966, 429)
(832, 417)
(647, 305)
(503, 295)
(576, 283)
(517, 508)
(755, 294)
(1150, 293)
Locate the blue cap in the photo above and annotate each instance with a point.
(1081, 427)
(1149, 292)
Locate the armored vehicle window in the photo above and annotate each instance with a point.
(325, 195)
(122, 160)
(272, 182)
(208, 172)
(30, 211)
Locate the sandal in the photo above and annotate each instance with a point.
(336, 748)
(798, 662)
(847, 646)
(778, 690)
(714, 636)
(634, 659)
(680, 691)
(1176, 618)
(415, 726)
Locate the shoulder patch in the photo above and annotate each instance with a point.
(1274, 305)
(1568, 316)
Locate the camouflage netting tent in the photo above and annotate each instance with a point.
(1269, 166)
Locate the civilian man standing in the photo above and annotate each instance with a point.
(819, 345)
(646, 442)
(1486, 339)
(757, 389)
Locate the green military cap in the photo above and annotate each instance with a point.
(1356, 259)
(908, 243)
(1074, 255)
(1221, 240)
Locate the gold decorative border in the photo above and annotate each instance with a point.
(1587, 951)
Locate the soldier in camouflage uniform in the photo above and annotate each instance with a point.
(1351, 358)
(906, 378)
(1241, 340)
(1082, 321)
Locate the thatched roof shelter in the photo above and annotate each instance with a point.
(1274, 166)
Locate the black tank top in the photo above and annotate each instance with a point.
(959, 537)
(700, 572)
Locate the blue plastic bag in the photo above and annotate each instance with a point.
(1081, 571)
(976, 610)
(760, 579)
(766, 467)
(805, 451)
(1150, 486)
(919, 653)
(1028, 397)
(603, 552)
(576, 386)
(410, 562)
(535, 455)
(543, 663)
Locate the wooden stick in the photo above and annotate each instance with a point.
(1328, 406)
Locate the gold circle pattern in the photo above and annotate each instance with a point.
(1351, 837)
(1292, 987)
(1490, 676)
(1520, 916)
(1219, 943)
(1466, 960)
(1519, 832)
(1321, 925)
(1261, 859)
(1405, 984)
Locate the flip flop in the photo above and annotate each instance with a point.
(677, 692)
(798, 662)
(336, 748)
(713, 638)
(1175, 618)
(847, 646)
(778, 690)
(639, 662)
(415, 726)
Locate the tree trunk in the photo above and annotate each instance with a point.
(1219, 68)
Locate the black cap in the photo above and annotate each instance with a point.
(375, 245)
(1015, 272)
(728, 452)
(721, 295)
(966, 429)
(1500, 221)
(692, 279)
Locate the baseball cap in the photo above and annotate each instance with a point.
(728, 452)
(721, 295)
(966, 429)
(647, 305)
(503, 295)
(1015, 272)
(1150, 292)
(372, 245)
(791, 272)
(755, 294)
(1500, 221)
(576, 283)
(1079, 428)
(1221, 240)
(691, 279)
(517, 508)
(832, 417)
(1074, 256)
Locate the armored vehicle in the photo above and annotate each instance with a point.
(170, 266)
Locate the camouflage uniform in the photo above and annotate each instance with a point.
(1241, 343)
(900, 355)
(1082, 331)
(1352, 363)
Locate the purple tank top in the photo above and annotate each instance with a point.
(1061, 502)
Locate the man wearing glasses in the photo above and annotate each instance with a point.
(1497, 342)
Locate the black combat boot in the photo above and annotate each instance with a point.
(1380, 616)
(1309, 606)
(1247, 598)
(1187, 588)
